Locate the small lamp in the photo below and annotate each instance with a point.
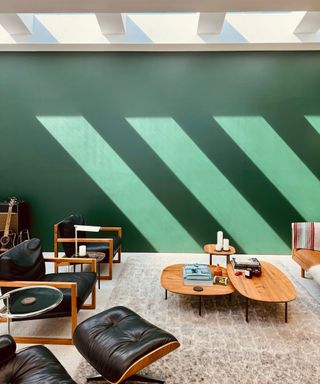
(84, 228)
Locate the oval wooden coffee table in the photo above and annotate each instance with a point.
(172, 281)
(272, 286)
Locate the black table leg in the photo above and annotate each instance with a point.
(165, 294)
(247, 310)
(286, 312)
(99, 275)
(210, 258)
(200, 305)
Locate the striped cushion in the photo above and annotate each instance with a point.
(306, 235)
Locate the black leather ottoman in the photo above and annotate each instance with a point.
(32, 365)
(118, 343)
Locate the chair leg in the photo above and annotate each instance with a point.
(303, 272)
(109, 276)
(137, 377)
(96, 378)
(118, 260)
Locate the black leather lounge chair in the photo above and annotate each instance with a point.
(24, 265)
(31, 365)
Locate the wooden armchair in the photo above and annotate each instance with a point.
(306, 245)
(24, 265)
(64, 234)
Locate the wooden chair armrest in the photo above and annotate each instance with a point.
(18, 284)
(78, 260)
(84, 240)
(112, 229)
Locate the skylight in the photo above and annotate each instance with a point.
(187, 30)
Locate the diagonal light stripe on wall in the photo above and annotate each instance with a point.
(276, 161)
(314, 121)
(104, 166)
(208, 184)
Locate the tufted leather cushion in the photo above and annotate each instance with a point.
(23, 262)
(113, 340)
(33, 365)
(7, 347)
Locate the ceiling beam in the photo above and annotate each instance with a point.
(123, 6)
(210, 23)
(13, 24)
(111, 23)
(310, 23)
(160, 47)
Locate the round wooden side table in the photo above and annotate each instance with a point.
(211, 249)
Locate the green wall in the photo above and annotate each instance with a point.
(171, 146)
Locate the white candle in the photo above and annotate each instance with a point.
(219, 241)
(82, 250)
(226, 244)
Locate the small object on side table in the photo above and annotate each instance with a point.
(238, 273)
(218, 246)
(220, 280)
(197, 288)
(28, 300)
(248, 274)
(217, 271)
(226, 245)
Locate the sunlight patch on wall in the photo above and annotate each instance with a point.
(104, 166)
(276, 161)
(314, 121)
(204, 180)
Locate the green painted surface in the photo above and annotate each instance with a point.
(208, 185)
(107, 92)
(104, 166)
(276, 161)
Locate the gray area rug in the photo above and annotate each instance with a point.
(220, 347)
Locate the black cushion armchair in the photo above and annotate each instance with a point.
(24, 265)
(34, 364)
(64, 233)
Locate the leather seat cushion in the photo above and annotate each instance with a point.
(34, 365)
(104, 247)
(85, 283)
(113, 340)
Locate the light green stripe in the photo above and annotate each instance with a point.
(314, 121)
(204, 180)
(276, 161)
(104, 166)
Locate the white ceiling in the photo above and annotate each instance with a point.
(159, 25)
(127, 6)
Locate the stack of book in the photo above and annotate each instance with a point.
(197, 274)
(246, 264)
